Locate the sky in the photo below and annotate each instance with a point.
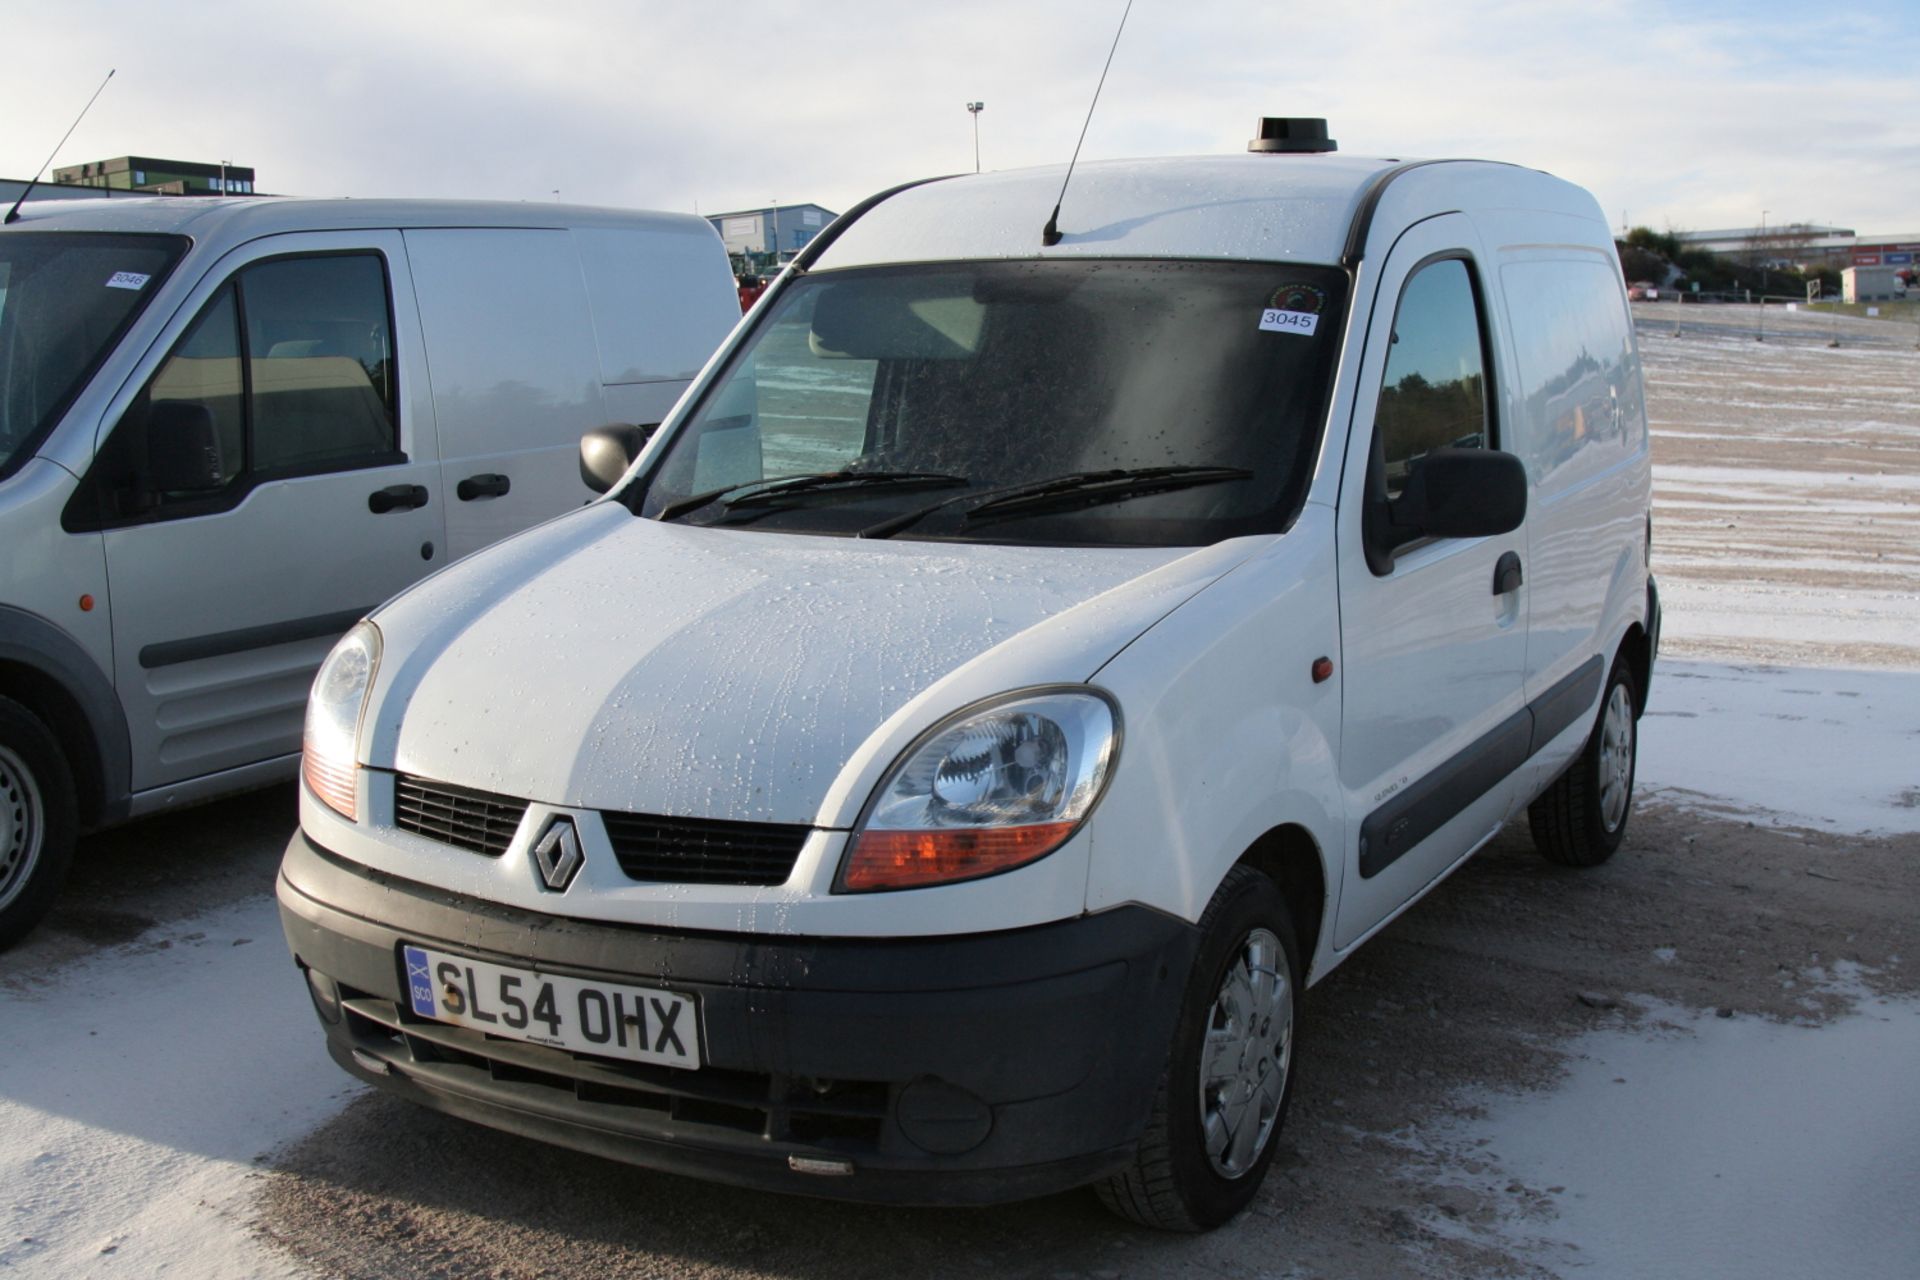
(1676, 116)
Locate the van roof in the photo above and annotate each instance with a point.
(1262, 207)
(233, 219)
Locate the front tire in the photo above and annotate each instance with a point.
(1229, 1076)
(1582, 818)
(37, 821)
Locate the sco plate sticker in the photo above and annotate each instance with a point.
(1293, 308)
(127, 280)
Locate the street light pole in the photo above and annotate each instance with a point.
(974, 109)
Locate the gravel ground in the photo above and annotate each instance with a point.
(1478, 989)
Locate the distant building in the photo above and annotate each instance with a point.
(11, 189)
(1887, 251)
(159, 177)
(1786, 244)
(1870, 284)
(771, 234)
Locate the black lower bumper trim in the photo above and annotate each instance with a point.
(955, 1070)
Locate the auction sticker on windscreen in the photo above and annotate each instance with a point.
(581, 1016)
(1294, 308)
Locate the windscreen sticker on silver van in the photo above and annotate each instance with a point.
(1293, 308)
(128, 280)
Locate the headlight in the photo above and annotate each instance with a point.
(333, 718)
(993, 788)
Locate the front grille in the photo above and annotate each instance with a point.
(704, 850)
(476, 820)
(740, 1110)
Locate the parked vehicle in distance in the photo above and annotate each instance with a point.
(229, 428)
(1016, 670)
(1643, 291)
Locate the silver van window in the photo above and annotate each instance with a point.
(65, 299)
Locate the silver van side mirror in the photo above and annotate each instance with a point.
(606, 453)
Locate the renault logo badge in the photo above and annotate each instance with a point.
(556, 855)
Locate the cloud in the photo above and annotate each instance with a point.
(1700, 117)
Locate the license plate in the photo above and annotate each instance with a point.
(641, 1023)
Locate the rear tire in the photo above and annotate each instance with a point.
(1208, 1142)
(38, 824)
(1582, 818)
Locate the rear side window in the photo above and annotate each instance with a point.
(1434, 394)
(287, 370)
(1574, 349)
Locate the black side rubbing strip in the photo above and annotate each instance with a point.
(1429, 804)
(1561, 705)
(221, 643)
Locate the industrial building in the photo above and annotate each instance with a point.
(152, 176)
(770, 236)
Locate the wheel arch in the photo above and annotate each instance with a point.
(1289, 856)
(46, 671)
(1636, 650)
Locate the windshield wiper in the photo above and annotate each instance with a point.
(778, 490)
(1065, 492)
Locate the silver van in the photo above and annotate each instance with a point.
(230, 428)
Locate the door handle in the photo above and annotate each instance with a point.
(397, 497)
(491, 485)
(1506, 574)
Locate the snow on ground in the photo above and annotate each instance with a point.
(1834, 750)
(136, 1090)
(1712, 1147)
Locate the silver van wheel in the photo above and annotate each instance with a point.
(1248, 1050)
(23, 825)
(1616, 758)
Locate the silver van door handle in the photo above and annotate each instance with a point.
(491, 485)
(397, 497)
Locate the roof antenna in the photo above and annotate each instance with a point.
(13, 214)
(1050, 234)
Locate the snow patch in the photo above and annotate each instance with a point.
(1715, 1147)
(154, 1075)
(1830, 750)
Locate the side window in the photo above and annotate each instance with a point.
(320, 360)
(204, 372)
(1434, 394)
(289, 368)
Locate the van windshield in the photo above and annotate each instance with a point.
(65, 299)
(1109, 402)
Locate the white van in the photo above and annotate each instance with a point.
(229, 428)
(1012, 674)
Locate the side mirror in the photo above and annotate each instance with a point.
(183, 448)
(606, 453)
(1461, 493)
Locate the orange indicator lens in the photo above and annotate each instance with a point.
(909, 859)
(334, 785)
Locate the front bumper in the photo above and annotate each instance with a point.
(950, 1070)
